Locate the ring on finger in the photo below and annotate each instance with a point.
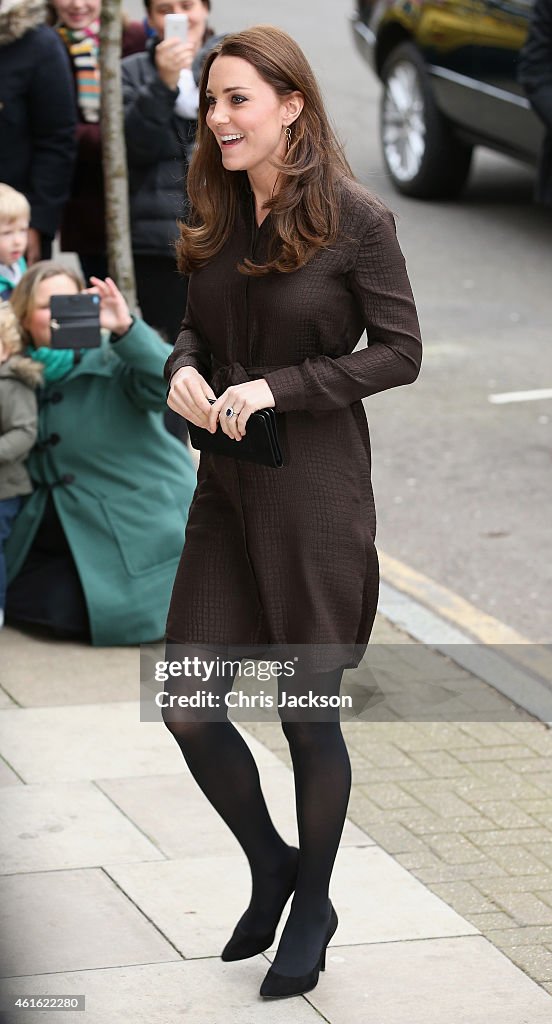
(234, 429)
(239, 426)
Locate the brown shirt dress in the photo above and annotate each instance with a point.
(286, 556)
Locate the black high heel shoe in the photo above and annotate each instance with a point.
(242, 944)
(280, 986)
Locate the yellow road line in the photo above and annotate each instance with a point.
(484, 628)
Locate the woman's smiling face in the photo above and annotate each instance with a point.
(241, 103)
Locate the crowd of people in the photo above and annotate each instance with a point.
(94, 490)
(50, 124)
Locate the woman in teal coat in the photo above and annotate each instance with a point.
(94, 551)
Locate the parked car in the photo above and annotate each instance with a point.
(449, 75)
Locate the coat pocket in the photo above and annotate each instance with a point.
(147, 526)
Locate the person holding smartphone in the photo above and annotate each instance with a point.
(94, 549)
(160, 109)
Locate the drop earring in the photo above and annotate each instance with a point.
(288, 136)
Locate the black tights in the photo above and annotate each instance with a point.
(224, 768)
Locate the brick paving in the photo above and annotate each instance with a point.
(464, 805)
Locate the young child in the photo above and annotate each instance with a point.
(19, 378)
(15, 214)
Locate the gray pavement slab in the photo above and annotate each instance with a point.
(462, 980)
(40, 671)
(7, 776)
(173, 812)
(5, 700)
(457, 981)
(66, 825)
(73, 920)
(90, 784)
(196, 902)
(380, 901)
(92, 741)
(190, 992)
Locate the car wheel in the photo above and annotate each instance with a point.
(422, 156)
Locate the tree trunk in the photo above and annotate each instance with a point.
(119, 250)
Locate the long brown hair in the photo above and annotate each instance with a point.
(305, 208)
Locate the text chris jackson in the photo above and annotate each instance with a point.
(239, 699)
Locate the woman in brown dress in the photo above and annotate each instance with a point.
(290, 261)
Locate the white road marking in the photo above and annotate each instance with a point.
(521, 396)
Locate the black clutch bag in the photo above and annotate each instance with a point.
(260, 444)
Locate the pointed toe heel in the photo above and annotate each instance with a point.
(242, 947)
(281, 986)
(243, 944)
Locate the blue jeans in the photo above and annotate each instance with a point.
(9, 507)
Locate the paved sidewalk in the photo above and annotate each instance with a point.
(121, 883)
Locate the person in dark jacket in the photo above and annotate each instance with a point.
(535, 74)
(37, 118)
(83, 224)
(160, 108)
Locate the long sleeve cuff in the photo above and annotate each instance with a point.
(288, 387)
(172, 365)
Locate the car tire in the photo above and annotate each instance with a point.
(422, 156)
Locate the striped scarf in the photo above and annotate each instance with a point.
(83, 46)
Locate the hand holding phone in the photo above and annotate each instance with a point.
(172, 55)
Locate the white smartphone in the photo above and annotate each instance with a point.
(176, 27)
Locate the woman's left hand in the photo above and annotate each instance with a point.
(243, 399)
(114, 312)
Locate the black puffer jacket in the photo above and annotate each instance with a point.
(159, 145)
(38, 114)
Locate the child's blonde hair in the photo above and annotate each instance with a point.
(12, 345)
(13, 204)
(10, 335)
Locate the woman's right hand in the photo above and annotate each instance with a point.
(189, 396)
